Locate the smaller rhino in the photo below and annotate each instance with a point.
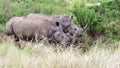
(69, 27)
(66, 22)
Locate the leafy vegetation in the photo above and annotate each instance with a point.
(102, 19)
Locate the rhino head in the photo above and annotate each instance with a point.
(76, 31)
(69, 27)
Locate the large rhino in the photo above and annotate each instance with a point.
(66, 21)
(36, 29)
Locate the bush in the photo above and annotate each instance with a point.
(118, 3)
(88, 16)
(103, 19)
(110, 14)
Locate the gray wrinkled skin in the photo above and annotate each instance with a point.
(69, 27)
(66, 22)
(37, 29)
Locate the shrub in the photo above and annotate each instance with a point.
(100, 19)
(118, 3)
(88, 16)
(110, 14)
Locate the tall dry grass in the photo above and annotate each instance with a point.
(101, 55)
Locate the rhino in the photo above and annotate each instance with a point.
(9, 30)
(28, 29)
(66, 22)
(69, 27)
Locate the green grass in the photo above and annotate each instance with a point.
(101, 1)
(2, 27)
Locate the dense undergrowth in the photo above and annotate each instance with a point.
(103, 19)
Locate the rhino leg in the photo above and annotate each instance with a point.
(16, 41)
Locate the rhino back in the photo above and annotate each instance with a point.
(31, 28)
(38, 16)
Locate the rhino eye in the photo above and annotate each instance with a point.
(75, 29)
(62, 36)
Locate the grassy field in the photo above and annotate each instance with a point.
(94, 54)
(102, 55)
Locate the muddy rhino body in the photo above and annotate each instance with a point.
(36, 29)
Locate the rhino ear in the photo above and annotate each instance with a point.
(57, 23)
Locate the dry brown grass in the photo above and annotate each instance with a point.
(43, 56)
